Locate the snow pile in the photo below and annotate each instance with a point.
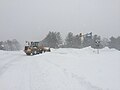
(61, 69)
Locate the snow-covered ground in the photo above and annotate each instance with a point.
(61, 69)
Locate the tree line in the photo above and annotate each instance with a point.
(54, 40)
(10, 45)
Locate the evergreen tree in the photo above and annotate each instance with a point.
(59, 39)
(16, 45)
(69, 40)
(76, 41)
(114, 43)
(53, 40)
(105, 42)
(1, 45)
(87, 39)
(96, 42)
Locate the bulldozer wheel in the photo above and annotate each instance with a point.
(34, 52)
(28, 53)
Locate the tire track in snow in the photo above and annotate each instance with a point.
(21, 75)
(29, 73)
(5, 56)
(41, 76)
(85, 84)
(36, 75)
(9, 63)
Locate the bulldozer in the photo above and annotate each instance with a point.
(33, 48)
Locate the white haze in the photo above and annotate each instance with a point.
(33, 19)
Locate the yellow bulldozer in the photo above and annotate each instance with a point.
(33, 48)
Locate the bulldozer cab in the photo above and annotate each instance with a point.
(34, 44)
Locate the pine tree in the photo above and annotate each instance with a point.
(96, 42)
(69, 40)
(114, 43)
(87, 39)
(53, 40)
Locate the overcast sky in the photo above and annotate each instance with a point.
(33, 19)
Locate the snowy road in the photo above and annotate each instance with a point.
(61, 69)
